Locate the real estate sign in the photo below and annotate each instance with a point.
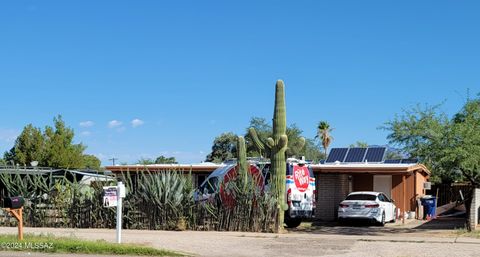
(110, 196)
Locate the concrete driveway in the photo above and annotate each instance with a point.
(445, 226)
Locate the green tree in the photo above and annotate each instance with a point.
(145, 161)
(360, 144)
(60, 151)
(91, 162)
(420, 132)
(295, 143)
(324, 134)
(311, 151)
(461, 150)
(224, 147)
(52, 148)
(29, 146)
(165, 160)
(449, 147)
(393, 154)
(264, 131)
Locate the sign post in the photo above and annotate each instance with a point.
(18, 214)
(121, 195)
(112, 197)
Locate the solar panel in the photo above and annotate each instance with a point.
(393, 161)
(356, 154)
(407, 161)
(337, 154)
(375, 154)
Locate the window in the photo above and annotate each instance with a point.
(361, 197)
(201, 178)
(386, 198)
(381, 198)
(212, 185)
(266, 173)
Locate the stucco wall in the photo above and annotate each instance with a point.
(474, 209)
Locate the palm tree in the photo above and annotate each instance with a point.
(323, 132)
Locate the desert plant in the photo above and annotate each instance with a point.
(277, 146)
(165, 192)
(242, 160)
(163, 200)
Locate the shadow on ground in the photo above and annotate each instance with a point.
(444, 223)
(359, 228)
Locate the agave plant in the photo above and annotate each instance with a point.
(164, 191)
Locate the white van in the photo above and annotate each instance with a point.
(301, 193)
(300, 187)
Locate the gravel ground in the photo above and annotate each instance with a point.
(346, 242)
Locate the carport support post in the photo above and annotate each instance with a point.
(404, 198)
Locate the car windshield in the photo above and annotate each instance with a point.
(210, 186)
(362, 197)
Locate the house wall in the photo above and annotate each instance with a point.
(412, 186)
(331, 190)
(411, 203)
(397, 189)
(362, 182)
(419, 183)
(474, 209)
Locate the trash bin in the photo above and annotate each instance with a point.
(429, 207)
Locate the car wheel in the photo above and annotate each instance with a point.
(382, 222)
(293, 223)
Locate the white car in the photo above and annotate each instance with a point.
(373, 206)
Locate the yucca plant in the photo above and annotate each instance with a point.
(164, 191)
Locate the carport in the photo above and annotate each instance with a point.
(402, 182)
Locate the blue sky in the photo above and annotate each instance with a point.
(187, 71)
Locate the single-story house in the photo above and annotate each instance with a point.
(334, 181)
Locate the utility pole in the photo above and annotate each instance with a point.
(113, 160)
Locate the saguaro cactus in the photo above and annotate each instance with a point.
(243, 166)
(277, 145)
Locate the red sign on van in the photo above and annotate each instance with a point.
(301, 176)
